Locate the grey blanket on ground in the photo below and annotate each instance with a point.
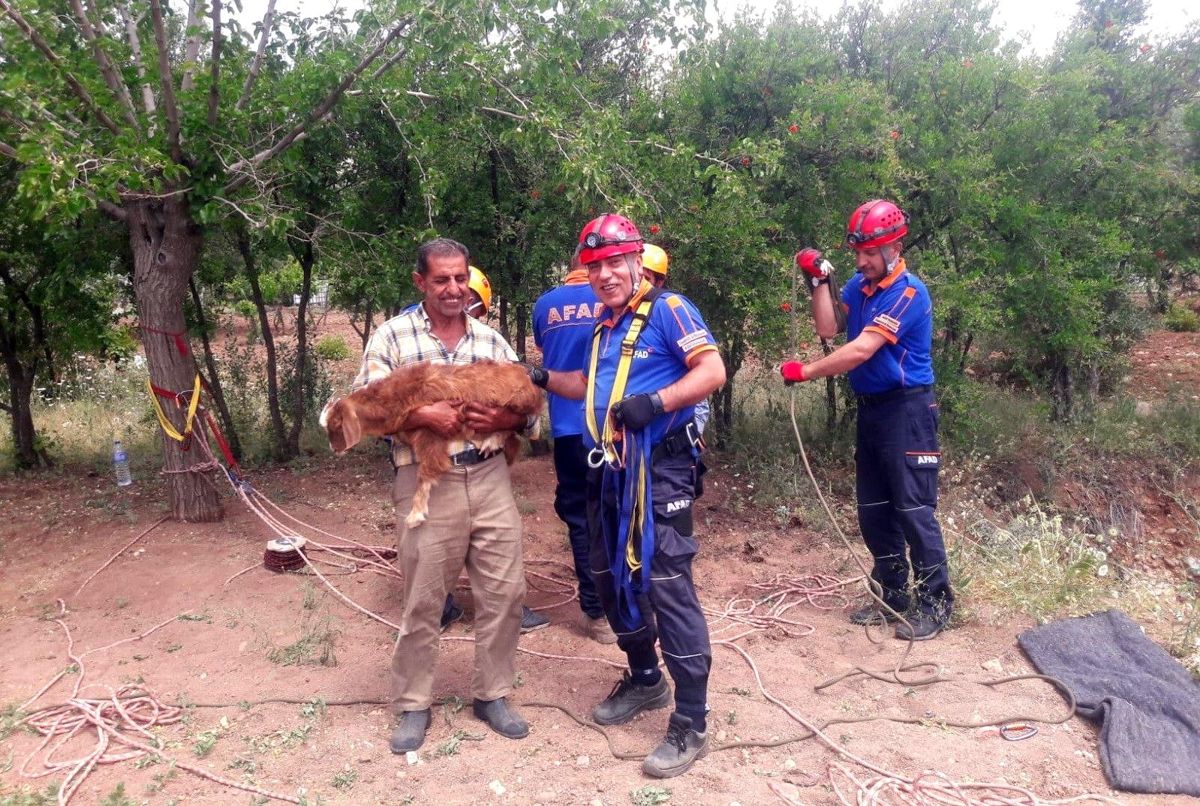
(1147, 704)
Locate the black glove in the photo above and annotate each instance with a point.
(637, 411)
(538, 376)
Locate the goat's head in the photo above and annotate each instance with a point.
(340, 421)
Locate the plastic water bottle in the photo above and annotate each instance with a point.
(121, 465)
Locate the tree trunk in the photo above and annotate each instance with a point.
(20, 385)
(522, 330)
(503, 317)
(243, 242)
(306, 257)
(166, 247)
(1062, 392)
(214, 378)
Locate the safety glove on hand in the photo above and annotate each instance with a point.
(635, 412)
(792, 372)
(814, 264)
(538, 376)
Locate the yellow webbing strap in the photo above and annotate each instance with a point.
(606, 440)
(167, 426)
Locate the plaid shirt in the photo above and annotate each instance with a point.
(409, 339)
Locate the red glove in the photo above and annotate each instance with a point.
(792, 372)
(814, 264)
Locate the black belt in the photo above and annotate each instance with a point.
(472, 456)
(895, 394)
(681, 440)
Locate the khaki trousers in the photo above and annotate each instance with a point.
(473, 520)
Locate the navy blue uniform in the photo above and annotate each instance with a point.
(563, 319)
(897, 457)
(668, 609)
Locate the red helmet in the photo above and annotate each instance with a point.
(876, 223)
(606, 236)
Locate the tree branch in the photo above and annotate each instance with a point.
(192, 50)
(114, 82)
(8, 150)
(135, 49)
(256, 65)
(112, 210)
(214, 90)
(164, 75)
(43, 47)
(320, 111)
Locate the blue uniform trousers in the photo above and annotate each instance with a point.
(897, 461)
(570, 504)
(671, 611)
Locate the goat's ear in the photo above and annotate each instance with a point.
(351, 431)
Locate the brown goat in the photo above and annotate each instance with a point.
(381, 408)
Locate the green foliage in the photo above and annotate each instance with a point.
(1181, 319)
(28, 797)
(650, 795)
(117, 797)
(332, 348)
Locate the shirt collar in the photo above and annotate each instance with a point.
(643, 289)
(886, 282)
(576, 277)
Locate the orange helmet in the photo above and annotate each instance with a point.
(655, 259)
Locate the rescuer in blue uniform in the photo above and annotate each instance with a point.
(889, 332)
(563, 320)
(651, 360)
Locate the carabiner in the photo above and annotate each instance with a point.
(595, 458)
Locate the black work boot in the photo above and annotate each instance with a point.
(410, 731)
(924, 622)
(501, 718)
(678, 751)
(873, 613)
(628, 699)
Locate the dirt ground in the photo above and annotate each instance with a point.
(233, 647)
(57, 533)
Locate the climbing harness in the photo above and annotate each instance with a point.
(630, 538)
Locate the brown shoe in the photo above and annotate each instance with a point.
(598, 630)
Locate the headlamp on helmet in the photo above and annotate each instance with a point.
(606, 236)
(876, 223)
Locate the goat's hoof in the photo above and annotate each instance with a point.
(414, 519)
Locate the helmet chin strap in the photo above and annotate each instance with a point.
(890, 265)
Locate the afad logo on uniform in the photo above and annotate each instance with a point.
(927, 459)
(675, 506)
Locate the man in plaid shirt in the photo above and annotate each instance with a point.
(473, 517)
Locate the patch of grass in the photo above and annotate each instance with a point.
(344, 781)
(650, 795)
(203, 618)
(1181, 319)
(247, 765)
(309, 602)
(205, 742)
(280, 739)
(118, 798)
(10, 719)
(160, 779)
(314, 709)
(451, 746)
(28, 797)
(173, 647)
(332, 348)
(1037, 564)
(314, 647)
